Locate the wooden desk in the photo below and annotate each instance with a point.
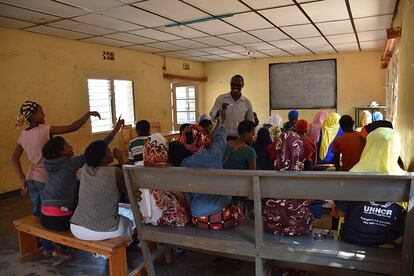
(171, 136)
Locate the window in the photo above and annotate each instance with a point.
(112, 99)
(392, 88)
(184, 104)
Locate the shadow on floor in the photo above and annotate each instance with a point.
(83, 263)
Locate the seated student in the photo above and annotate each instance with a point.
(293, 116)
(316, 125)
(208, 211)
(375, 223)
(347, 148)
(273, 120)
(309, 148)
(275, 132)
(365, 119)
(96, 217)
(207, 126)
(256, 119)
(239, 155)
(160, 207)
(203, 117)
(377, 116)
(330, 130)
(263, 140)
(136, 146)
(60, 195)
(373, 126)
(288, 217)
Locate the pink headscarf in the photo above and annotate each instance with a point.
(316, 125)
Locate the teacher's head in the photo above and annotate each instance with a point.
(236, 84)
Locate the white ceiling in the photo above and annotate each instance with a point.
(243, 29)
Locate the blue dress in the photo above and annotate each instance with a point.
(329, 158)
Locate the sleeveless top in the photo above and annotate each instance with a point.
(99, 197)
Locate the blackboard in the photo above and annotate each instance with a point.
(303, 85)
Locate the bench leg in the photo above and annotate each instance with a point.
(259, 266)
(146, 252)
(28, 246)
(117, 263)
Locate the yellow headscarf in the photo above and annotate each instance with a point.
(329, 130)
(380, 153)
(366, 118)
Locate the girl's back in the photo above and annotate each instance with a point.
(98, 200)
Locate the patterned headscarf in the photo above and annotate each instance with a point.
(26, 111)
(193, 138)
(156, 151)
(289, 152)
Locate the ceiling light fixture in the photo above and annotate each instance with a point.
(200, 20)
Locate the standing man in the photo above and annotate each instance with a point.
(238, 107)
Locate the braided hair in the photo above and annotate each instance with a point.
(26, 111)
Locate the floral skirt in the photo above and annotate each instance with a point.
(226, 218)
(175, 210)
(287, 217)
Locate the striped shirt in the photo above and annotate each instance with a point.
(136, 148)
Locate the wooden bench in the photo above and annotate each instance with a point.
(29, 230)
(249, 242)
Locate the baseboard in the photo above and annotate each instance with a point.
(10, 194)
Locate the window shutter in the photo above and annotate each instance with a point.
(99, 91)
(124, 100)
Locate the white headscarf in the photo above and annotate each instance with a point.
(274, 120)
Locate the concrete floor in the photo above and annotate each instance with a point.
(82, 263)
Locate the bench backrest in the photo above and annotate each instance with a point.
(293, 185)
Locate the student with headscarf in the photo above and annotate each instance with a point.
(377, 116)
(365, 119)
(211, 212)
(288, 217)
(329, 131)
(263, 140)
(380, 155)
(293, 116)
(309, 147)
(273, 120)
(160, 207)
(316, 125)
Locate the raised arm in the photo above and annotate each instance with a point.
(18, 151)
(79, 161)
(55, 130)
(108, 139)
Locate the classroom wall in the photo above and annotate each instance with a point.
(405, 110)
(359, 78)
(54, 71)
